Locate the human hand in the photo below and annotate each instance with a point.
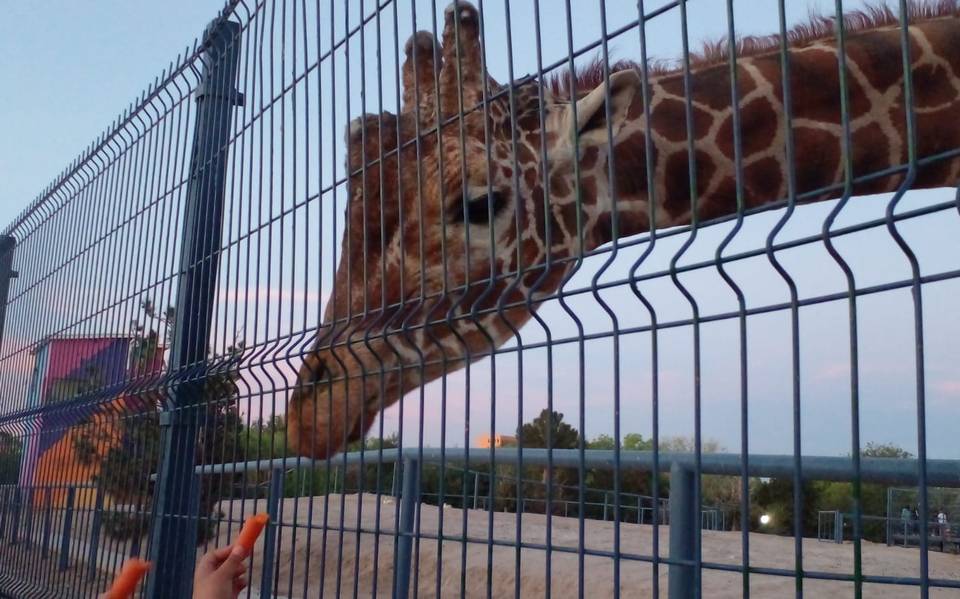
(220, 573)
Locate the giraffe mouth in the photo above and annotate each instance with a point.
(322, 421)
(371, 407)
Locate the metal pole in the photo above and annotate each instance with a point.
(15, 525)
(408, 503)
(28, 515)
(682, 530)
(7, 245)
(889, 526)
(838, 527)
(67, 527)
(4, 507)
(47, 523)
(95, 534)
(394, 491)
(270, 538)
(476, 488)
(175, 528)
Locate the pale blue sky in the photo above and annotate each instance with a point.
(68, 68)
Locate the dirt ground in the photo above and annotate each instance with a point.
(310, 550)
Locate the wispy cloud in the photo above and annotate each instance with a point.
(265, 293)
(832, 372)
(948, 387)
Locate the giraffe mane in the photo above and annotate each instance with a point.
(713, 52)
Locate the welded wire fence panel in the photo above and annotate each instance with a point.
(518, 299)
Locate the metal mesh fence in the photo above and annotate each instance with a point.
(525, 298)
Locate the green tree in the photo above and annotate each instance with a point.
(127, 466)
(774, 497)
(884, 450)
(715, 490)
(548, 425)
(602, 442)
(532, 483)
(602, 481)
(873, 497)
(636, 442)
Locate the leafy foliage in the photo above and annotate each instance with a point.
(10, 449)
(126, 467)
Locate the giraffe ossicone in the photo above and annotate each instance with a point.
(466, 207)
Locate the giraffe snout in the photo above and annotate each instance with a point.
(323, 417)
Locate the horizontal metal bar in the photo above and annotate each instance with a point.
(943, 473)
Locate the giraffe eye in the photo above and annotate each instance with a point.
(478, 211)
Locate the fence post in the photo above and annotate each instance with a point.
(47, 523)
(95, 533)
(270, 538)
(683, 516)
(7, 245)
(175, 528)
(889, 523)
(394, 491)
(838, 527)
(476, 488)
(28, 515)
(15, 524)
(408, 502)
(4, 507)
(67, 527)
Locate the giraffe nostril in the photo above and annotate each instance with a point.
(313, 369)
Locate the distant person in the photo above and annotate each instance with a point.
(916, 519)
(906, 515)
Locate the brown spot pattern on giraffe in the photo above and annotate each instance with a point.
(870, 150)
(762, 181)
(669, 119)
(677, 179)
(713, 86)
(817, 156)
(931, 85)
(815, 89)
(588, 158)
(722, 201)
(937, 132)
(630, 165)
(758, 126)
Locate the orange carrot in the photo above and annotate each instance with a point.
(126, 582)
(251, 530)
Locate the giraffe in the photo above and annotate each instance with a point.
(470, 206)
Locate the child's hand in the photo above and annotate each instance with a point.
(220, 573)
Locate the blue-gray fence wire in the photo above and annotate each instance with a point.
(540, 298)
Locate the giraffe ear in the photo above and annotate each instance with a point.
(592, 112)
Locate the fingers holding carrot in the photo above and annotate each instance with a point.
(221, 573)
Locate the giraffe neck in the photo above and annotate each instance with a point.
(877, 126)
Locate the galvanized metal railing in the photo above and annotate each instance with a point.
(208, 284)
(681, 560)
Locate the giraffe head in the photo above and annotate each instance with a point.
(445, 227)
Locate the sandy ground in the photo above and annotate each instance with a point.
(309, 551)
